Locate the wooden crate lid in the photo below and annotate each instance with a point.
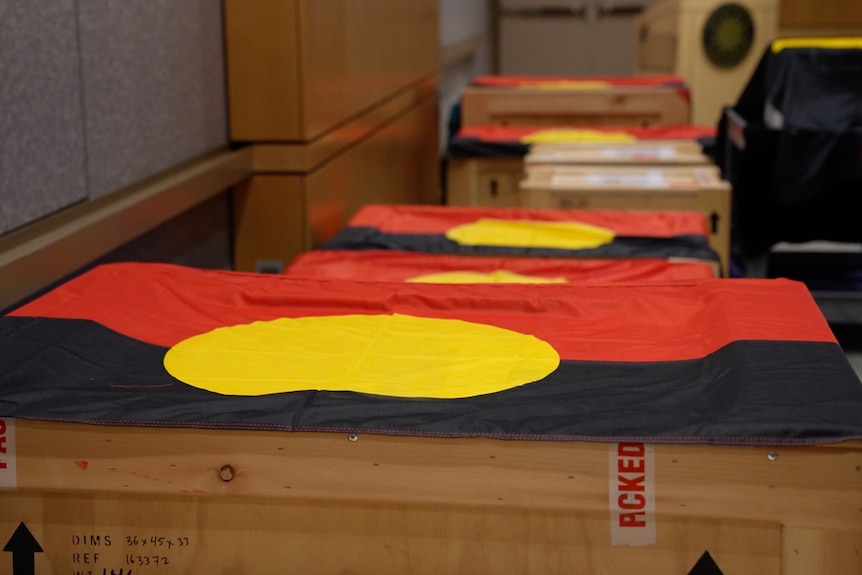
(587, 177)
(667, 152)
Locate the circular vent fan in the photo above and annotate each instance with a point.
(728, 35)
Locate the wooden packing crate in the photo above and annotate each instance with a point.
(147, 501)
(663, 153)
(489, 181)
(693, 188)
(615, 105)
(493, 181)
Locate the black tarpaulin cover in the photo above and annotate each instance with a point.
(798, 175)
(711, 361)
(811, 94)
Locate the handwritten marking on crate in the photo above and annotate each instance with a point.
(133, 551)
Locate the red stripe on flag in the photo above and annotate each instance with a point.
(414, 219)
(164, 304)
(395, 266)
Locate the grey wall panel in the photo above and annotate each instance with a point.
(153, 79)
(461, 19)
(41, 124)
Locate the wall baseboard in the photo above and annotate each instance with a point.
(48, 250)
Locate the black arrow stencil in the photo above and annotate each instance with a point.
(714, 218)
(704, 566)
(23, 547)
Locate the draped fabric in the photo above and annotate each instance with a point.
(798, 174)
(458, 231)
(397, 266)
(506, 141)
(700, 361)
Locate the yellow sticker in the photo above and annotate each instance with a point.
(530, 234)
(494, 277)
(569, 135)
(835, 43)
(392, 355)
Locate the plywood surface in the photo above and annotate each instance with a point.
(614, 106)
(783, 485)
(176, 536)
(665, 153)
(210, 501)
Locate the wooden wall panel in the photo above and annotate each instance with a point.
(269, 221)
(397, 165)
(300, 68)
(820, 14)
(278, 215)
(262, 58)
(355, 54)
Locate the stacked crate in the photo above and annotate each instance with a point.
(599, 128)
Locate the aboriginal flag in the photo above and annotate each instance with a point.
(514, 141)
(523, 232)
(712, 361)
(396, 266)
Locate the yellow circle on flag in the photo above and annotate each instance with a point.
(574, 135)
(494, 277)
(530, 234)
(392, 355)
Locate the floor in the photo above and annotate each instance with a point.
(850, 338)
(843, 310)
